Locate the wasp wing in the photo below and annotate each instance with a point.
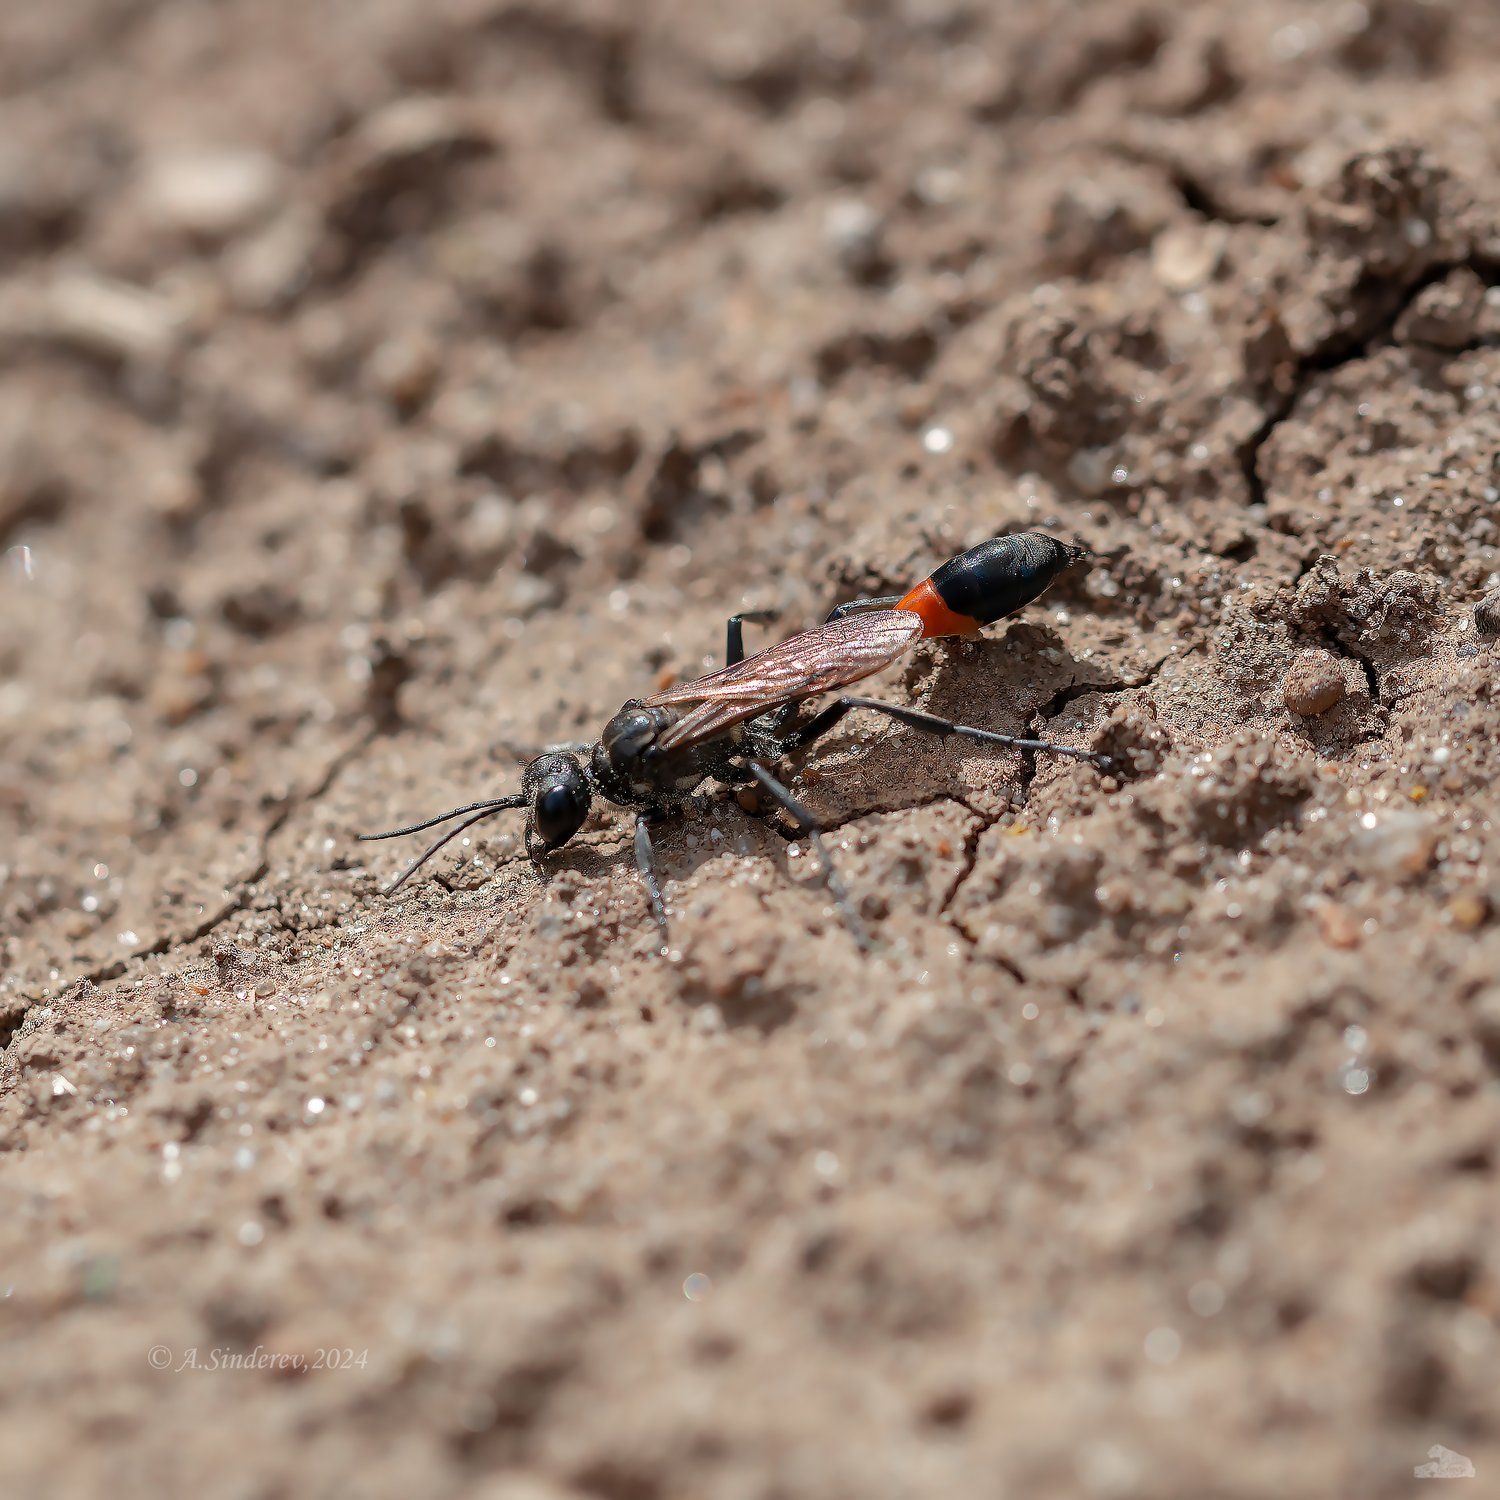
(817, 661)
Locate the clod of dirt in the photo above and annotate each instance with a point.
(1251, 786)
(390, 667)
(1448, 314)
(1070, 400)
(1487, 613)
(1134, 740)
(396, 169)
(749, 981)
(1095, 221)
(404, 369)
(1380, 208)
(260, 608)
(1385, 619)
(1313, 684)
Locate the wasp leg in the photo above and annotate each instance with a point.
(858, 606)
(807, 826)
(734, 636)
(766, 731)
(645, 862)
(822, 722)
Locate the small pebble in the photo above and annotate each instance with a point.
(1340, 930)
(857, 235)
(1487, 613)
(109, 319)
(1468, 910)
(1186, 256)
(212, 193)
(404, 369)
(267, 268)
(1313, 685)
(1398, 843)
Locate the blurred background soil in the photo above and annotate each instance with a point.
(388, 387)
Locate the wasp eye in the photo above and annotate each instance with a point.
(558, 812)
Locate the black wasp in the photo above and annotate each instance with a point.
(731, 725)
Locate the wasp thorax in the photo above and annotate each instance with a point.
(628, 736)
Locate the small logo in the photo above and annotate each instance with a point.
(1446, 1464)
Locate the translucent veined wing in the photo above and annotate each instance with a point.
(817, 661)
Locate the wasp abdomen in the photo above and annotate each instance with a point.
(988, 582)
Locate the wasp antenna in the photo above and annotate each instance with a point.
(485, 810)
(495, 804)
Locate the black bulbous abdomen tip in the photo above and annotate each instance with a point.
(1002, 575)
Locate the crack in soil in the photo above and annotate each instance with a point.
(1074, 690)
(245, 886)
(1201, 199)
(1341, 349)
(984, 823)
(1350, 652)
(1196, 192)
(970, 864)
(1058, 701)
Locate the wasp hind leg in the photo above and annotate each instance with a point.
(859, 606)
(734, 634)
(645, 862)
(913, 718)
(807, 827)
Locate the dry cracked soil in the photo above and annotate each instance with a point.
(389, 387)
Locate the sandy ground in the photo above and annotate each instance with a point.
(388, 387)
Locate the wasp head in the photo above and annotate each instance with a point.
(557, 791)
